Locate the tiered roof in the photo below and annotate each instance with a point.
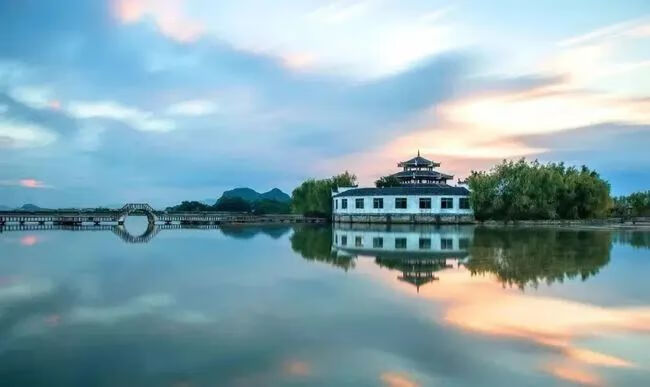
(418, 161)
(419, 171)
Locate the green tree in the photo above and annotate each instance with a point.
(232, 204)
(190, 206)
(266, 206)
(314, 197)
(518, 190)
(636, 204)
(387, 181)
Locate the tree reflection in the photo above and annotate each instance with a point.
(315, 243)
(634, 238)
(526, 257)
(249, 232)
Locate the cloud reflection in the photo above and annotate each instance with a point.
(482, 305)
(395, 379)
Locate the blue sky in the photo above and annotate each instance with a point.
(111, 101)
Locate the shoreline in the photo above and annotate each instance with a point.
(639, 223)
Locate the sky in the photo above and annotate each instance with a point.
(105, 102)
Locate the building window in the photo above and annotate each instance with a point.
(425, 203)
(400, 203)
(378, 203)
(463, 243)
(358, 203)
(446, 203)
(344, 240)
(358, 241)
(446, 244)
(336, 239)
(463, 203)
(336, 204)
(378, 242)
(400, 243)
(344, 203)
(425, 243)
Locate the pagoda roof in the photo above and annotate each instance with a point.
(422, 174)
(418, 161)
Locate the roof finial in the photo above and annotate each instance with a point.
(418, 153)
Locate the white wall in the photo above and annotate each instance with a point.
(412, 208)
(453, 240)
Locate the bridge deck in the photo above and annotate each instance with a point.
(117, 216)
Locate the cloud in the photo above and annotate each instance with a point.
(636, 28)
(138, 119)
(16, 134)
(35, 97)
(25, 183)
(168, 15)
(396, 379)
(32, 183)
(196, 107)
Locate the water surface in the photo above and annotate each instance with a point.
(272, 306)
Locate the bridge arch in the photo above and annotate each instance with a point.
(134, 208)
(126, 236)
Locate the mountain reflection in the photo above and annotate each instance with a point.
(516, 257)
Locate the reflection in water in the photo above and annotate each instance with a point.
(520, 257)
(416, 306)
(505, 256)
(315, 243)
(527, 257)
(249, 232)
(634, 238)
(29, 240)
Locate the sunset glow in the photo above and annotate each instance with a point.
(481, 305)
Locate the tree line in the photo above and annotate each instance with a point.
(636, 204)
(235, 204)
(314, 197)
(518, 190)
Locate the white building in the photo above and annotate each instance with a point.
(420, 195)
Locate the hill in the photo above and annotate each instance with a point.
(251, 196)
(277, 195)
(30, 207)
(5, 208)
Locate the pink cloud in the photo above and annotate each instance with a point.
(169, 16)
(32, 183)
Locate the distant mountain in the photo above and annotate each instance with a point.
(30, 207)
(5, 208)
(208, 202)
(277, 195)
(250, 195)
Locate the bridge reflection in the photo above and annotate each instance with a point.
(119, 230)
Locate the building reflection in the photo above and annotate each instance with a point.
(517, 257)
(418, 252)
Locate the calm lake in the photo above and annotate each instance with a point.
(322, 306)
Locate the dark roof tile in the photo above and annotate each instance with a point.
(406, 190)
